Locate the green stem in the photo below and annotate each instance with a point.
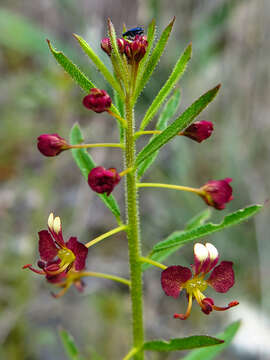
(86, 146)
(105, 235)
(133, 234)
(174, 187)
(152, 262)
(132, 352)
(105, 276)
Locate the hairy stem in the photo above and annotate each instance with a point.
(133, 234)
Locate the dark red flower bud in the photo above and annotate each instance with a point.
(217, 193)
(199, 130)
(136, 49)
(107, 47)
(51, 144)
(103, 181)
(98, 100)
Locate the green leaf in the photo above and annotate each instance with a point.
(177, 72)
(177, 239)
(69, 345)
(153, 60)
(179, 124)
(196, 221)
(86, 164)
(232, 219)
(211, 352)
(199, 219)
(191, 342)
(72, 69)
(150, 38)
(169, 110)
(118, 62)
(75, 72)
(99, 64)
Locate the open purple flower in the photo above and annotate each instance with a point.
(103, 180)
(60, 261)
(176, 278)
(199, 130)
(98, 100)
(217, 193)
(51, 144)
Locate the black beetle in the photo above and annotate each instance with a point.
(131, 33)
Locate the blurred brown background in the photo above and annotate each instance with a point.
(230, 45)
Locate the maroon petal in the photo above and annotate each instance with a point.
(54, 279)
(79, 250)
(47, 247)
(173, 278)
(222, 277)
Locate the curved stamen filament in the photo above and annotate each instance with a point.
(29, 266)
(59, 271)
(61, 292)
(186, 315)
(230, 305)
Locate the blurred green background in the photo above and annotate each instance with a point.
(230, 45)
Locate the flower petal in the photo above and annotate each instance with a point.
(47, 247)
(79, 250)
(222, 277)
(173, 278)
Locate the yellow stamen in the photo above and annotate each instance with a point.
(186, 315)
(66, 256)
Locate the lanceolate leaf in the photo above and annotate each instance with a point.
(86, 164)
(75, 73)
(199, 219)
(191, 342)
(69, 345)
(177, 239)
(150, 38)
(99, 64)
(168, 86)
(169, 110)
(116, 58)
(72, 69)
(232, 219)
(196, 221)
(179, 124)
(153, 60)
(211, 352)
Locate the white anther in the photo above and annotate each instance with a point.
(57, 225)
(213, 253)
(201, 252)
(50, 220)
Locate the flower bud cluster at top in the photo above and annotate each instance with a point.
(134, 50)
